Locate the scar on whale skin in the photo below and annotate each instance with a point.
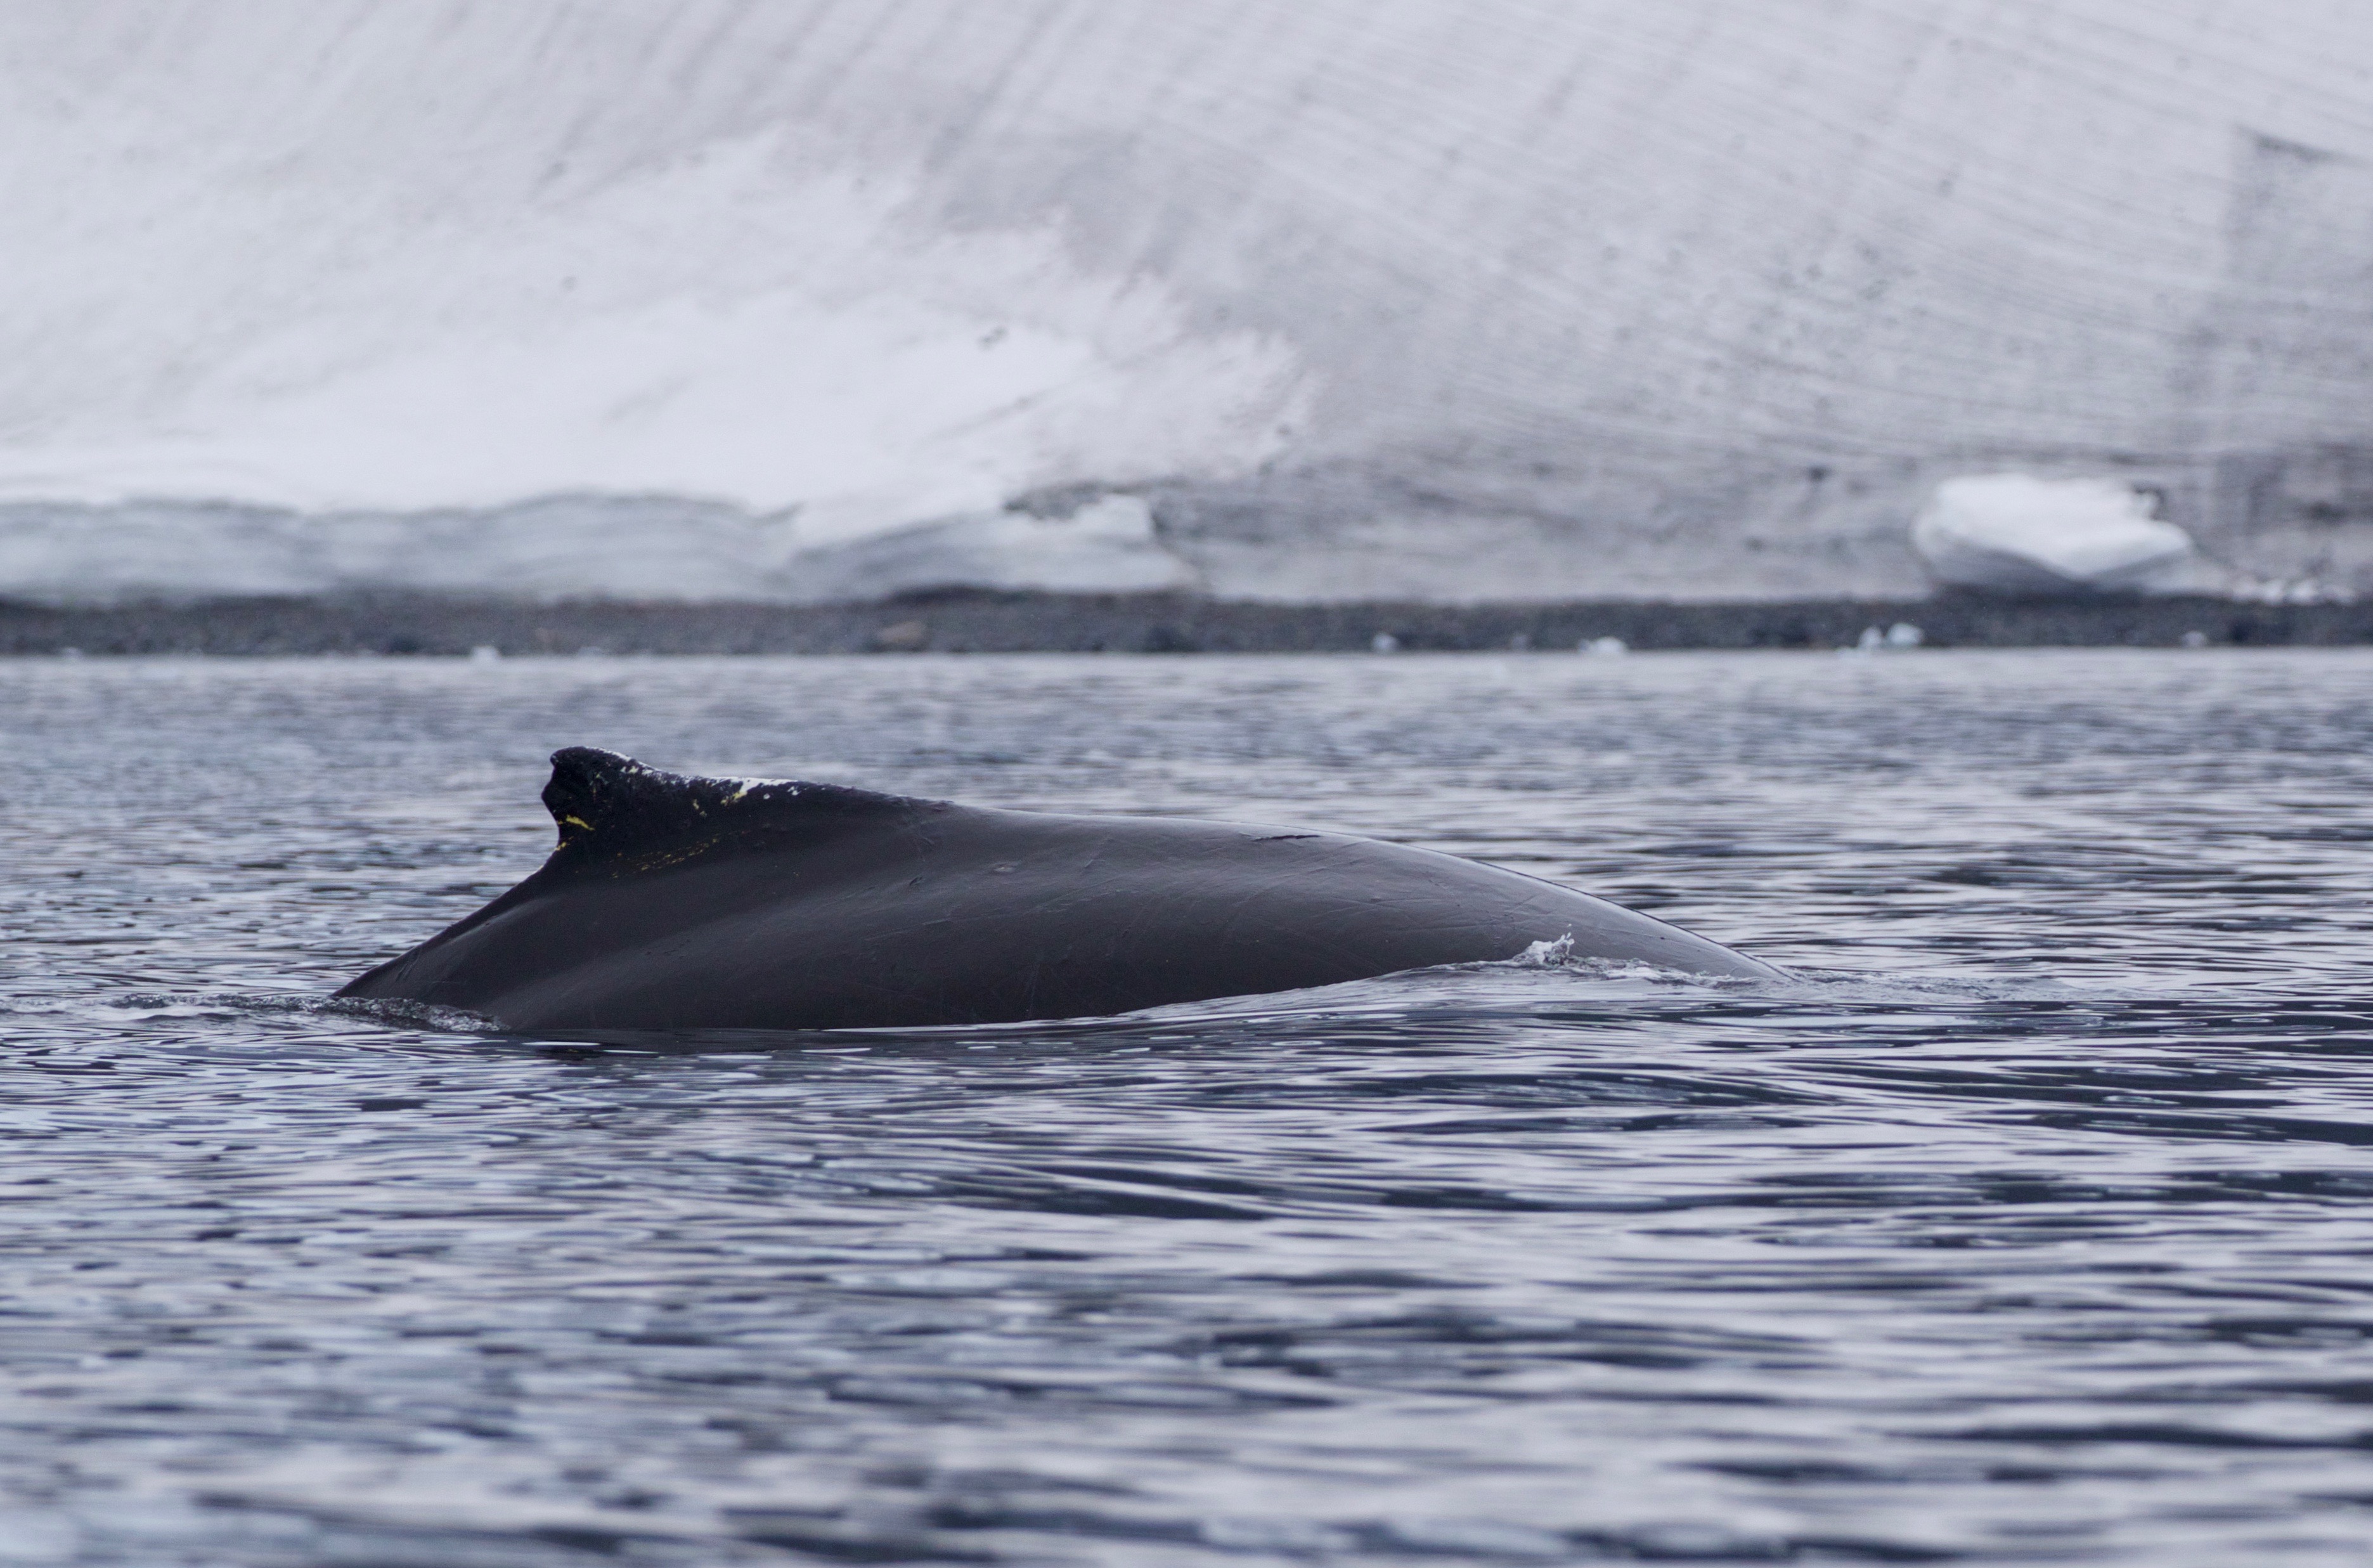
(687, 903)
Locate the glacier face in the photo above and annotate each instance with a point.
(1404, 296)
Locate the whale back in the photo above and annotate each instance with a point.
(687, 903)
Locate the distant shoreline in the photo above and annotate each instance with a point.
(431, 625)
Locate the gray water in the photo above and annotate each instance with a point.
(2028, 1224)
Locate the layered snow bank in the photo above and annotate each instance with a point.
(1107, 546)
(573, 547)
(2017, 533)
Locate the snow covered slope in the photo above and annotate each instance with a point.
(1464, 297)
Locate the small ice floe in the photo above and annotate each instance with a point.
(2018, 533)
(1383, 642)
(1899, 635)
(1604, 647)
(2290, 590)
(486, 653)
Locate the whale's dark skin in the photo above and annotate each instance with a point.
(678, 904)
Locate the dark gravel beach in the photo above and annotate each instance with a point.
(1016, 623)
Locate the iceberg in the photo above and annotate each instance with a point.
(2019, 533)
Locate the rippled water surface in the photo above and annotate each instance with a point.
(2029, 1224)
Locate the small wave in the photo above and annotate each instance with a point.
(1547, 975)
(1558, 953)
(409, 1014)
(227, 1004)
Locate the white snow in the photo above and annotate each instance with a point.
(725, 326)
(2020, 534)
(1598, 297)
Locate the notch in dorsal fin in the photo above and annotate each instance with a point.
(605, 803)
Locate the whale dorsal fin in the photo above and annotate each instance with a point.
(606, 805)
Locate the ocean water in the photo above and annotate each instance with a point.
(2030, 1222)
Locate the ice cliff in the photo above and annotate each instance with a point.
(1405, 297)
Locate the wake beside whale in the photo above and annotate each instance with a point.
(679, 903)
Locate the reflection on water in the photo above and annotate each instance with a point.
(2027, 1223)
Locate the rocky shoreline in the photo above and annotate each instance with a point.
(400, 625)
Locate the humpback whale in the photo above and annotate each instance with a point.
(676, 903)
